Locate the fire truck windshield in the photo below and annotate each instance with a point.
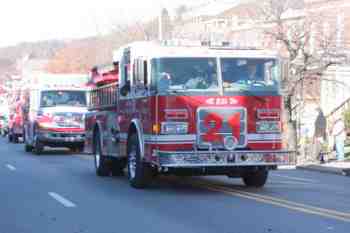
(248, 74)
(177, 75)
(70, 98)
(185, 74)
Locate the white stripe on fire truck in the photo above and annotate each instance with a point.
(190, 138)
(170, 138)
(259, 142)
(264, 137)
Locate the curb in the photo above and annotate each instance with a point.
(329, 170)
(286, 167)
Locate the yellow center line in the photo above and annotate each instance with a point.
(328, 213)
(280, 204)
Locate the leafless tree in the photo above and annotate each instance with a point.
(308, 51)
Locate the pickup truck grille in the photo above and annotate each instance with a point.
(216, 123)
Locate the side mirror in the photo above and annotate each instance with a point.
(125, 89)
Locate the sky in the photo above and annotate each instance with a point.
(36, 20)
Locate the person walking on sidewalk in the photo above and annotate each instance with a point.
(320, 135)
(338, 132)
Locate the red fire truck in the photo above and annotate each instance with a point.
(15, 121)
(187, 111)
(54, 111)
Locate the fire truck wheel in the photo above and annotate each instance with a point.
(117, 167)
(256, 178)
(139, 172)
(101, 162)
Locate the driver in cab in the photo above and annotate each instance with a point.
(202, 79)
(246, 75)
(252, 74)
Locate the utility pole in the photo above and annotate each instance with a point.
(160, 25)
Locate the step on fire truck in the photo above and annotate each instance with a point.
(187, 111)
(54, 111)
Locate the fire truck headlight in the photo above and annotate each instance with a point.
(268, 127)
(174, 128)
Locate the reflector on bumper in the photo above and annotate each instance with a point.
(223, 158)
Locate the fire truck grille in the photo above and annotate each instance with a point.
(216, 124)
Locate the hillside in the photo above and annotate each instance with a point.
(39, 50)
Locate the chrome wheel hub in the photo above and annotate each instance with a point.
(132, 163)
(97, 159)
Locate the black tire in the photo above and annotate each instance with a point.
(15, 139)
(118, 166)
(38, 148)
(38, 145)
(256, 178)
(139, 172)
(28, 148)
(102, 164)
(80, 149)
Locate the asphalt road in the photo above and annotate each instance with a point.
(59, 193)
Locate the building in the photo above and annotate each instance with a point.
(327, 27)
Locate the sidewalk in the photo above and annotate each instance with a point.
(339, 168)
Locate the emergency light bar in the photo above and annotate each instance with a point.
(60, 86)
(224, 45)
(104, 68)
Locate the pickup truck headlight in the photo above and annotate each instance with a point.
(268, 127)
(174, 128)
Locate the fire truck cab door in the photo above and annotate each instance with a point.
(126, 104)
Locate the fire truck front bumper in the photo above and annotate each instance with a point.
(197, 159)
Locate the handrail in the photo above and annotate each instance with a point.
(347, 101)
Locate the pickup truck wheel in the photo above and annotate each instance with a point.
(139, 172)
(38, 147)
(256, 178)
(15, 139)
(101, 162)
(27, 147)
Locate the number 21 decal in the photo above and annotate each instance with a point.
(214, 123)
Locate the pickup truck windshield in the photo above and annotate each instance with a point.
(185, 74)
(56, 98)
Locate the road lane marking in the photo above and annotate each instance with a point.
(288, 182)
(9, 166)
(309, 210)
(295, 178)
(62, 200)
(328, 213)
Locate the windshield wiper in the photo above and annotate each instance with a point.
(250, 93)
(177, 91)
